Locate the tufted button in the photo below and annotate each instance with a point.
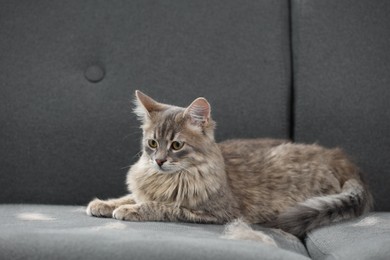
(94, 73)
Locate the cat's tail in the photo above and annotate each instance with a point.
(354, 200)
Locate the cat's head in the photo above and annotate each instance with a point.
(175, 138)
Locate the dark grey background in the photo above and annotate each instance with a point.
(68, 71)
(65, 139)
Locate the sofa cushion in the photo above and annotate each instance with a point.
(341, 81)
(367, 237)
(66, 232)
(68, 72)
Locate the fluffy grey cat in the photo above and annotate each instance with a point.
(184, 175)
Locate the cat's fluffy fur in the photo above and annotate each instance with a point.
(184, 175)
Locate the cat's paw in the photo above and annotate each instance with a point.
(99, 208)
(127, 212)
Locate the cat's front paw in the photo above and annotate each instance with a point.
(99, 208)
(128, 212)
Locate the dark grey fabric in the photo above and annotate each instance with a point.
(341, 81)
(365, 238)
(66, 232)
(68, 70)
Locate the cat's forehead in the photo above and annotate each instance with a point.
(166, 124)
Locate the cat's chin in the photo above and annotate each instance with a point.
(165, 170)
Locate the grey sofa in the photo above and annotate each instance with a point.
(306, 70)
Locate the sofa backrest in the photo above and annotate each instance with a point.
(341, 77)
(68, 71)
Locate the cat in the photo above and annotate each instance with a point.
(184, 175)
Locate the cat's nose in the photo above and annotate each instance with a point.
(160, 162)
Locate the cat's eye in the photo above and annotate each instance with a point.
(152, 143)
(177, 145)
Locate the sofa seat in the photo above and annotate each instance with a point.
(367, 237)
(66, 232)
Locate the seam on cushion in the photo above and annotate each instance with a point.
(285, 66)
(332, 256)
(291, 90)
(295, 17)
(315, 242)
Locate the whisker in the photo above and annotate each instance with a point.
(132, 134)
(127, 167)
(135, 156)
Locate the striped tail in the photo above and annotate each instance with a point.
(353, 201)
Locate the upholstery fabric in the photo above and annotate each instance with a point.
(66, 232)
(341, 82)
(68, 71)
(365, 238)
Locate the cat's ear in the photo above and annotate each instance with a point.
(145, 105)
(199, 112)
